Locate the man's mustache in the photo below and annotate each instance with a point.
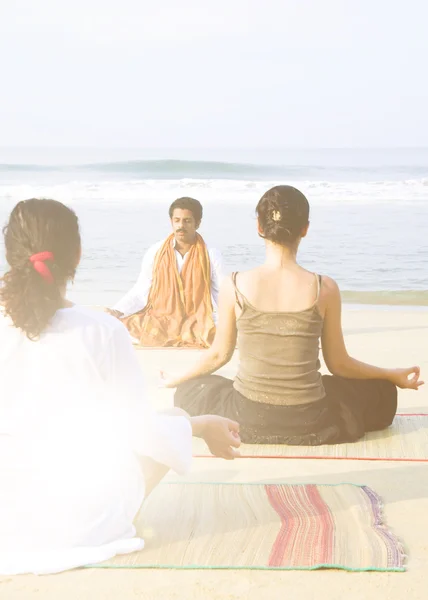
(180, 231)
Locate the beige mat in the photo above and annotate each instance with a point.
(406, 439)
(263, 526)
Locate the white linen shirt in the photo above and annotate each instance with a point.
(74, 418)
(136, 299)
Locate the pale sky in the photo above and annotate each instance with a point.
(214, 73)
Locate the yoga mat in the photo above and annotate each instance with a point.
(263, 526)
(405, 440)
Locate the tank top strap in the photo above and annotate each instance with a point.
(319, 282)
(238, 295)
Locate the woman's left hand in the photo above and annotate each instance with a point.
(167, 380)
(407, 379)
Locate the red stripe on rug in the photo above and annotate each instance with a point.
(307, 528)
(294, 457)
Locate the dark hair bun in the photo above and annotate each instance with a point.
(283, 213)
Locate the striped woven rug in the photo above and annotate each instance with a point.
(256, 526)
(405, 440)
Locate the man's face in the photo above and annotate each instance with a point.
(184, 225)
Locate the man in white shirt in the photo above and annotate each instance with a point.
(178, 285)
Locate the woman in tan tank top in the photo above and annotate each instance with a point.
(280, 313)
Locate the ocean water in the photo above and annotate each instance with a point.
(369, 210)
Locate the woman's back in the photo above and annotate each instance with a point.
(58, 449)
(279, 327)
(73, 418)
(288, 288)
(61, 372)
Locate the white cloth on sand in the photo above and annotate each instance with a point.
(74, 420)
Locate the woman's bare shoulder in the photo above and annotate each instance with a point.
(329, 284)
(250, 277)
(248, 274)
(329, 293)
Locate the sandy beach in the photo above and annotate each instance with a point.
(394, 338)
(154, 119)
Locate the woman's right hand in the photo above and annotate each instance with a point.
(407, 379)
(220, 434)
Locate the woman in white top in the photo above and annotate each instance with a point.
(80, 446)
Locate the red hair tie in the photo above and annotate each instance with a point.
(38, 262)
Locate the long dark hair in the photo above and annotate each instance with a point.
(38, 226)
(283, 213)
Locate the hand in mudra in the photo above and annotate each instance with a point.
(407, 379)
(221, 436)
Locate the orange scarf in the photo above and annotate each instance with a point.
(179, 308)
